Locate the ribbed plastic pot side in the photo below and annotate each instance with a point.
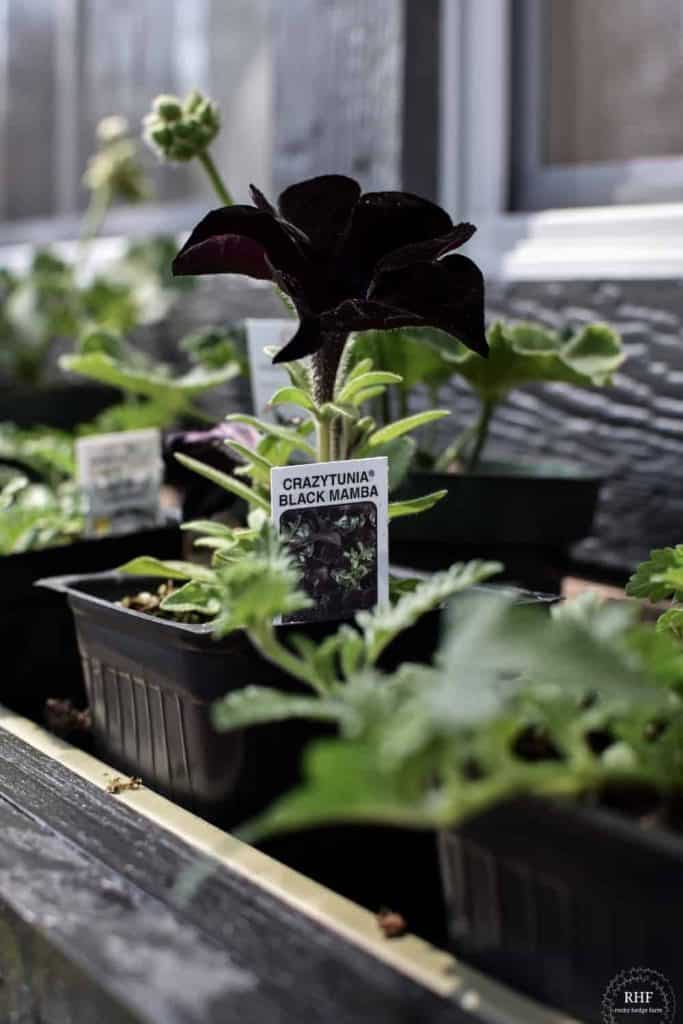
(557, 898)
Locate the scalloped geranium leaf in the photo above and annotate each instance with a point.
(175, 392)
(655, 578)
(524, 354)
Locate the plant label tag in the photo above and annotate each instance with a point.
(264, 338)
(333, 516)
(120, 477)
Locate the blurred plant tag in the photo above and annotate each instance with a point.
(264, 338)
(333, 516)
(120, 477)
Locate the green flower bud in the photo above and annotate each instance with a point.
(180, 131)
(168, 108)
(161, 135)
(193, 100)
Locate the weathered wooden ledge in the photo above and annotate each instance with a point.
(93, 931)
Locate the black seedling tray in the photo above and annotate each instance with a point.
(62, 406)
(151, 684)
(557, 899)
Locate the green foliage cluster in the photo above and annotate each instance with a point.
(514, 702)
(519, 355)
(105, 357)
(658, 579)
(37, 515)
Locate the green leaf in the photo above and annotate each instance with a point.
(175, 392)
(255, 705)
(366, 380)
(404, 426)
(197, 596)
(228, 483)
(651, 578)
(528, 353)
(400, 453)
(273, 430)
(146, 565)
(209, 527)
(417, 355)
(294, 396)
(414, 506)
(361, 367)
(330, 410)
(382, 625)
(255, 465)
(672, 622)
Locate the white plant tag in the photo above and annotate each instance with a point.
(333, 516)
(120, 476)
(267, 378)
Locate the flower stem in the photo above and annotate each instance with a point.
(214, 177)
(482, 432)
(98, 207)
(324, 439)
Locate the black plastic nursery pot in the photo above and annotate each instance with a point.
(39, 653)
(151, 683)
(558, 899)
(524, 514)
(62, 406)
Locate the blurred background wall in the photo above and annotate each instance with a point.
(554, 124)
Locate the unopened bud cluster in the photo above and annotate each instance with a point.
(115, 165)
(180, 130)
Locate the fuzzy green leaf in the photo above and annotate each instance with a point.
(196, 596)
(174, 392)
(382, 625)
(255, 705)
(371, 379)
(404, 426)
(414, 506)
(272, 430)
(228, 483)
(145, 565)
(294, 396)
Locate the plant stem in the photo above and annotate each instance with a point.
(215, 178)
(100, 201)
(452, 454)
(263, 637)
(324, 439)
(481, 433)
(325, 365)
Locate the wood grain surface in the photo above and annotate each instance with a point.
(92, 930)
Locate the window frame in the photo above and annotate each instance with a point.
(617, 241)
(539, 186)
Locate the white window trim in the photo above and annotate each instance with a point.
(616, 242)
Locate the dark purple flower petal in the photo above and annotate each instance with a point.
(260, 201)
(240, 240)
(448, 294)
(385, 221)
(320, 207)
(431, 249)
(307, 340)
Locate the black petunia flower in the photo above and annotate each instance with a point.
(349, 262)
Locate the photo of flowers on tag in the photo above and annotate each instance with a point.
(335, 548)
